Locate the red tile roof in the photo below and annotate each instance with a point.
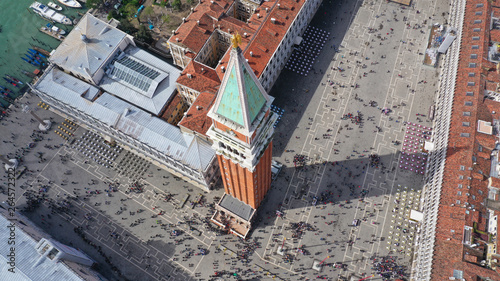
(466, 165)
(201, 80)
(269, 33)
(263, 34)
(196, 118)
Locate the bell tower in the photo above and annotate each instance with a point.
(242, 131)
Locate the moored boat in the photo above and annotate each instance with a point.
(29, 74)
(49, 14)
(4, 89)
(36, 53)
(53, 31)
(14, 79)
(33, 62)
(42, 52)
(54, 6)
(70, 3)
(33, 57)
(11, 82)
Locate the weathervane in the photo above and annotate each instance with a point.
(235, 40)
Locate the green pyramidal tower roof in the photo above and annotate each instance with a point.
(241, 96)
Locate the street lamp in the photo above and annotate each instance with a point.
(44, 125)
(9, 163)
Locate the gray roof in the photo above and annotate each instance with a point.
(29, 266)
(237, 207)
(85, 57)
(160, 89)
(127, 118)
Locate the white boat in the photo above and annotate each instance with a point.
(71, 3)
(58, 30)
(47, 13)
(54, 6)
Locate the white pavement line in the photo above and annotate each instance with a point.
(40, 173)
(375, 141)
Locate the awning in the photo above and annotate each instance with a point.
(446, 43)
(297, 40)
(416, 216)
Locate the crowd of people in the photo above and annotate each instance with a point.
(388, 268)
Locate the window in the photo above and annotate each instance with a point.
(472, 74)
(479, 13)
(478, 21)
(475, 38)
(479, 5)
(466, 124)
(473, 56)
(476, 29)
(466, 113)
(480, 192)
(472, 65)
(459, 193)
(469, 94)
(460, 186)
(458, 202)
(468, 103)
(473, 197)
(462, 168)
(475, 46)
(461, 177)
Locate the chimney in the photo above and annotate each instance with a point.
(198, 22)
(190, 76)
(246, 60)
(279, 5)
(202, 69)
(177, 39)
(192, 10)
(245, 34)
(212, 1)
(84, 38)
(183, 19)
(258, 16)
(251, 53)
(223, 69)
(198, 107)
(173, 32)
(273, 20)
(267, 9)
(228, 30)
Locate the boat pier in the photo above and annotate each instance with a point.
(52, 33)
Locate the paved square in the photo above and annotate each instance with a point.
(130, 216)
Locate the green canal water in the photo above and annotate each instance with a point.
(20, 31)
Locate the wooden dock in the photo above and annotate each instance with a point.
(52, 33)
